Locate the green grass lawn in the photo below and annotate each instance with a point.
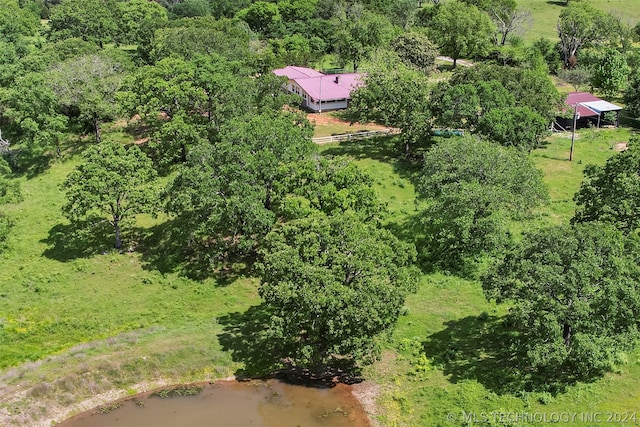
(77, 319)
(545, 13)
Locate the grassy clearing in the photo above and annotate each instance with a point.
(545, 13)
(563, 178)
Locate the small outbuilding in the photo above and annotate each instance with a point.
(588, 110)
(320, 92)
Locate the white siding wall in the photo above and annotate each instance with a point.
(332, 105)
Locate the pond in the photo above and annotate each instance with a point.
(231, 403)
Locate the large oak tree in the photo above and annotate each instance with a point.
(471, 188)
(112, 184)
(333, 285)
(574, 298)
(611, 193)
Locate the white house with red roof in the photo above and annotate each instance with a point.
(320, 92)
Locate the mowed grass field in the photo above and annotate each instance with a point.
(79, 321)
(545, 13)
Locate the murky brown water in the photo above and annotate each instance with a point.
(233, 404)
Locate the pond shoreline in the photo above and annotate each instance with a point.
(365, 393)
(359, 397)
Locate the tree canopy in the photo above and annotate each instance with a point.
(632, 94)
(112, 184)
(91, 20)
(88, 84)
(358, 33)
(470, 188)
(573, 296)
(397, 96)
(333, 285)
(611, 193)
(9, 193)
(225, 194)
(460, 30)
(514, 127)
(581, 25)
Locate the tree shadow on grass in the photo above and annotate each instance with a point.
(485, 349)
(83, 239)
(29, 164)
(163, 249)
(246, 336)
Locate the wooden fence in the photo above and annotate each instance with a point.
(355, 136)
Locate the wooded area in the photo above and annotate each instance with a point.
(159, 188)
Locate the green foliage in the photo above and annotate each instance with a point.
(514, 127)
(576, 77)
(9, 193)
(471, 188)
(16, 21)
(297, 49)
(184, 102)
(167, 97)
(192, 8)
(330, 186)
(203, 36)
(32, 109)
(530, 88)
(610, 72)
(462, 105)
(88, 85)
(548, 51)
(91, 20)
(415, 49)
(68, 48)
(460, 30)
(611, 193)
(224, 195)
(632, 94)
(297, 10)
(264, 18)
(397, 96)
(505, 15)
(574, 298)
(357, 34)
(333, 284)
(582, 25)
(9, 189)
(138, 20)
(113, 183)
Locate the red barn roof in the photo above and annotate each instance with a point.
(588, 104)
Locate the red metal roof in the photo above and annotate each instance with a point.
(326, 87)
(578, 97)
(294, 72)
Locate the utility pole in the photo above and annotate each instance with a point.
(576, 116)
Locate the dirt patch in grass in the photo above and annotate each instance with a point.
(367, 393)
(327, 124)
